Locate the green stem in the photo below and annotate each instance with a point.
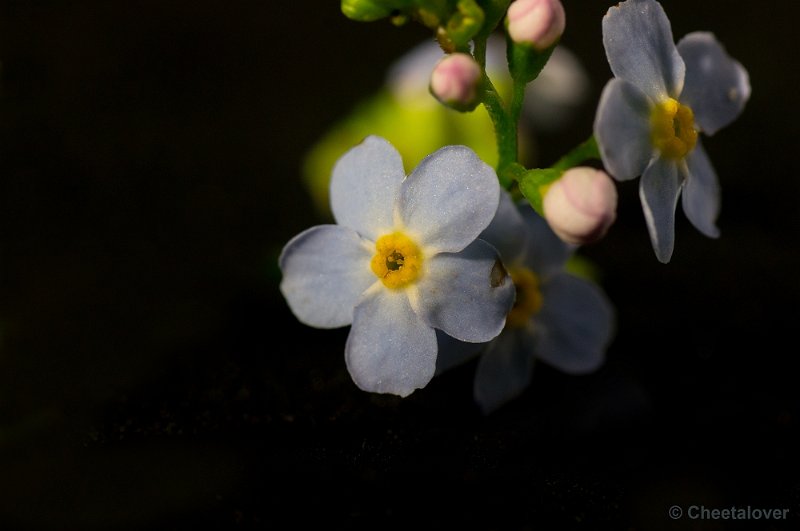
(479, 52)
(587, 150)
(505, 130)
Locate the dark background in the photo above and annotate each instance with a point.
(151, 374)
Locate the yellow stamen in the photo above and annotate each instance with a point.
(529, 297)
(672, 129)
(397, 260)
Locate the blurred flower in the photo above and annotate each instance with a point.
(403, 260)
(557, 317)
(539, 23)
(649, 116)
(405, 113)
(581, 205)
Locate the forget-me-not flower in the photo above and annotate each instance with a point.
(402, 261)
(649, 116)
(559, 318)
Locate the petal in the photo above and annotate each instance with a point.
(507, 230)
(504, 370)
(466, 294)
(575, 325)
(638, 40)
(453, 352)
(622, 129)
(717, 87)
(659, 190)
(545, 252)
(364, 185)
(449, 199)
(325, 271)
(389, 349)
(701, 194)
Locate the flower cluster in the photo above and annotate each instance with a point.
(464, 258)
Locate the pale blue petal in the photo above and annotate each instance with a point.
(638, 40)
(622, 130)
(504, 370)
(449, 199)
(453, 352)
(659, 190)
(701, 193)
(325, 271)
(466, 294)
(389, 349)
(717, 87)
(545, 253)
(507, 230)
(574, 326)
(364, 186)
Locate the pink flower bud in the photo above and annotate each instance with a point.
(539, 23)
(581, 205)
(455, 81)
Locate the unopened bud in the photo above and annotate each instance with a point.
(538, 23)
(581, 205)
(455, 81)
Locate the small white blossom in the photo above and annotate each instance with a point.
(402, 261)
(558, 318)
(649, 116)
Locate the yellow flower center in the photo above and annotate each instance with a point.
(529, 297)
(397, 260)
(672, 129)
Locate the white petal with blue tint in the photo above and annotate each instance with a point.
(505, 229)
(638, 40)
(575, 325)
(466, 294)
(504, 370)
(325, 271)
(452, 352)
(545, 252)
(659, 190)
(622, 130)
(364, 187)
(448, 199)
(389, 348)
(717, 86)
(701, 193)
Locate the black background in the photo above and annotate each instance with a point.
(151, 374)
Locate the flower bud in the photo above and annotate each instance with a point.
(366, 10)
(455, 81)
(581, 205)
(538, 23)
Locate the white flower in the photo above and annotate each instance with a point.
(649, 116)
(558, 318)
(402, 260)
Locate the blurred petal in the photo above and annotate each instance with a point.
(575, 325)
(659, 190)
(507, 229)
(389, 349)
(364, 185)
(453, 352)
(545, 252)
(717, 87)
(449, 199)
(467, 294)
(701, 193)
(325, 271)
(638, 40)
(504, 370)
(622, 129)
